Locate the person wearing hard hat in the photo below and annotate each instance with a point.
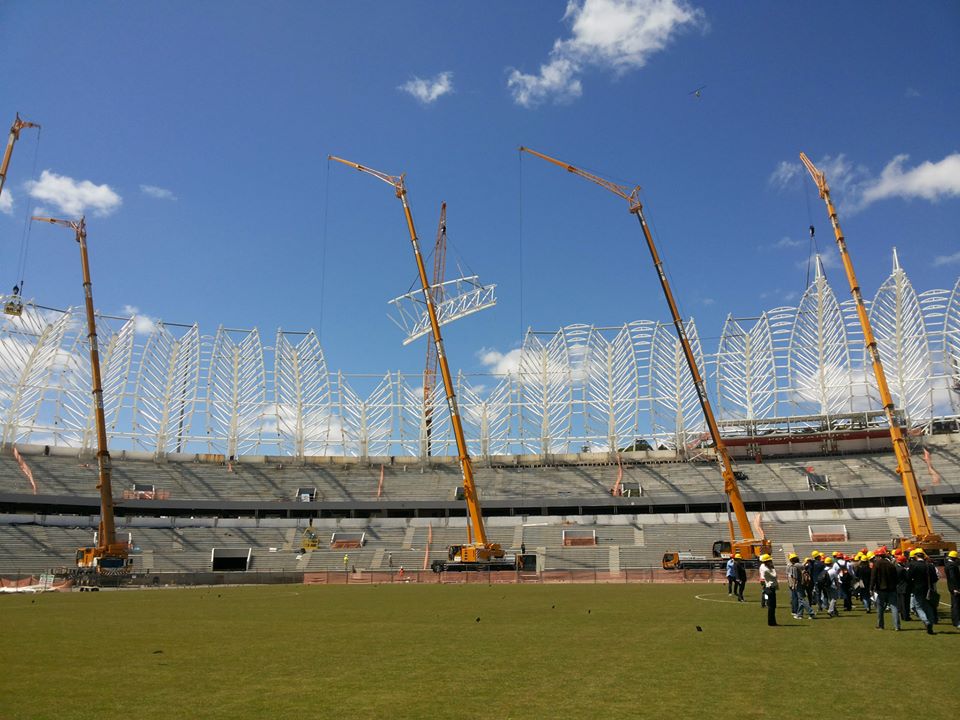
(951, 567)
(828, 584)
(919, 577)
(798, 595)
(817, 570)
(740, 569)
(903, 586)
(883, 581)
(768, 576)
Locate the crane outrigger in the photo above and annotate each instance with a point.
(923, 535)
(748, 547)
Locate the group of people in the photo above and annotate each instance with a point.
(906, 584)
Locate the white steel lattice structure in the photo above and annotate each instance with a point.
(169, 388)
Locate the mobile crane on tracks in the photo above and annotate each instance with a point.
(478, 553)
(108, 557)
(923, 535)
(748, 547)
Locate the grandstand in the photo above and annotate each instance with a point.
(597, 430)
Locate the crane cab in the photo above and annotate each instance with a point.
(13, 307)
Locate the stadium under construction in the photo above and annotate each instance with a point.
(593, 454)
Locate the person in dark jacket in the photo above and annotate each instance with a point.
(952, 569)
(741, 572)
(816, 571)
(933, 597)
(883, 582)
(863, 578)
(903, 587)
(919, 577)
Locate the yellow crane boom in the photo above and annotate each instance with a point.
(923, 535)
(18, 125)
(108, 553)
(478, 549)
(749, 547)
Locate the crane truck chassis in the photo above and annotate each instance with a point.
(459, 560)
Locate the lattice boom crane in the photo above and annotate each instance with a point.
(749, 547)
(478, 553)
(923, 534)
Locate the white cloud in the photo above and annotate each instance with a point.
(708, 301)
(929, 180)
(142, 324)
(73, 197)
(500, 363)
(616, 34)
(946, 259)
(157, 192)
(912, 93)
(785, 174)
(6, 203)
(829, 258)
(429, 90)
(787, 242)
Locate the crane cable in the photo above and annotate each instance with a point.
(323, 252)
(813, 249)
(27, 227)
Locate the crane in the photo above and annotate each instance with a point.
(13, 306)
(18, 125)
(430, 368)
(748, 547)
(478, 553)
(923, 535)
(107, 556)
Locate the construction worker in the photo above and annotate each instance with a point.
(883, 581)
(817, 569)
(741, 569)
(768, 576)
(919, 578)
(951, 567)
(798, 594)
(829, 581)
(863, 576)
(903, 586)
(731, 575)
(346, 561)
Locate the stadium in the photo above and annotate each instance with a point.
(229, 449)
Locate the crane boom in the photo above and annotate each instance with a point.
(749, 546)
(18, 125)
(478, 549)
(920, 525)
(107, 548)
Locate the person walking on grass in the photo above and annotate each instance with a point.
(768, 576)
(903, 586)
(741, 583)
(829, 580)
(919, 578)
(883, 582)
(731, 575)
(951, 567)
(798, 594)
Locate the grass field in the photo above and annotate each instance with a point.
(408, 651)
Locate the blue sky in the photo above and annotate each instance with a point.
(202, 131)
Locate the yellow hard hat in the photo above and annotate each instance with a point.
(807, 559)
(792, 556)
(815, 554)
(916, 551)
(869, 556)
(952, 553)
(828, 560)
(738, 556)
(858, 556)
(765, 557)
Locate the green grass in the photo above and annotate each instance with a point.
(408, 651)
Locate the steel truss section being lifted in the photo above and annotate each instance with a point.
(169, 388)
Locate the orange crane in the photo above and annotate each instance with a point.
(923, 534)
(107, 557)
(749, 547)
(478, 553)
(430, 369)
(13, 306)
(18, 125)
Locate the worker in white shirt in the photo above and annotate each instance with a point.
(768, 576)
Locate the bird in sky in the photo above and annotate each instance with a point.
(698, 92)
